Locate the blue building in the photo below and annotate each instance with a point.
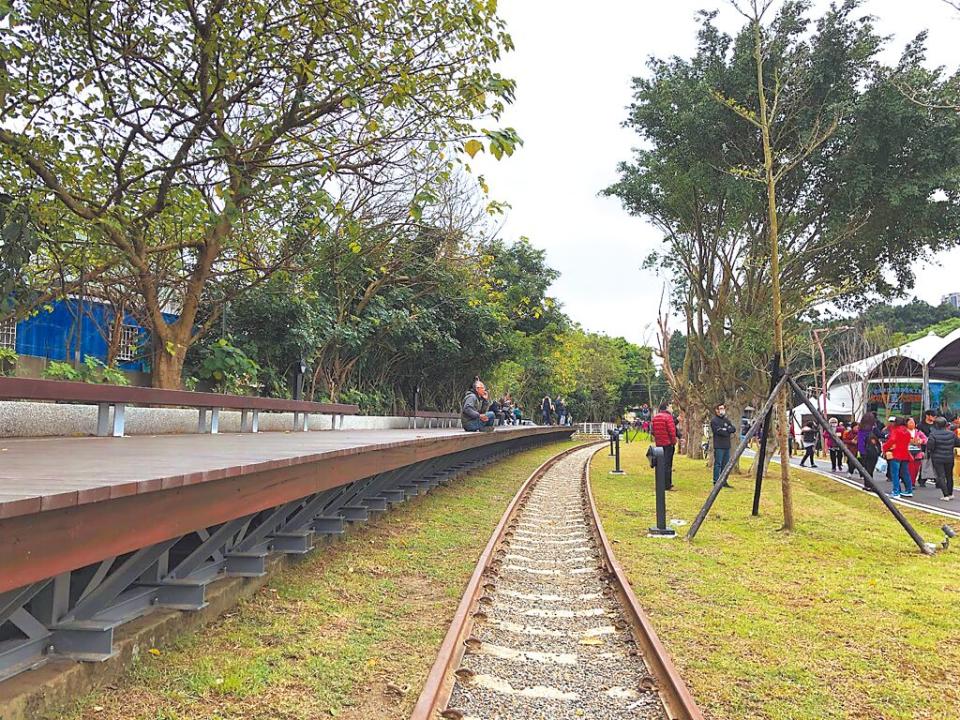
(51, 333)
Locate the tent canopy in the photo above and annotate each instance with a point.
(939, 355)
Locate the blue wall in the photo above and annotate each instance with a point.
(46, 333)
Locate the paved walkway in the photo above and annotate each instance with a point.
(924, 498)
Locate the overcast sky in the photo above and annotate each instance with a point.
(573, 69)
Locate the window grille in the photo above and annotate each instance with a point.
(8, 334)
(128, 343)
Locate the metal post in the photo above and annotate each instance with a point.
(655, 455)
(610, 433)
(617, 470)
(765, 436)
(925, 548)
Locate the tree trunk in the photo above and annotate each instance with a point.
(167, 369)
(773, 229)
(170, 345)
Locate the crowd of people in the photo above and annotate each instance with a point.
(478, 413)
(909, 452)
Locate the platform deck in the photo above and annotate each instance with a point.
(66, 502)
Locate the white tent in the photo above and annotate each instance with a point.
(843, 401)
(923, 358)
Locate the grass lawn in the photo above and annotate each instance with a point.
(351, 632)
(843, 618)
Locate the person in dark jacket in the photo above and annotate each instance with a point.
(808, 435)
(941, 444)
(722, 430)
(926, 427)
(546, 409)
(474, 416)
(665, 436)
(868, 445)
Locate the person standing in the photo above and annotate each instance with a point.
(546, 408)
(897, 451)
(722, 430)
(926, 467)
(850, 439)
(918, 441)
(665, 436)
(868, 445)
(941, 446)
(808, 436)
(836, 454)
(561, 410)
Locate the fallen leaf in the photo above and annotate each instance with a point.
(153, 651)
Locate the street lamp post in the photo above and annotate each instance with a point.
(823, 358)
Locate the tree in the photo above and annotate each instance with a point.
(854, 206)
(189, 140)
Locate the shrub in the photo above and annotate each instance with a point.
(229, 369)
(92, 371)
(61, 371)
(8, 361)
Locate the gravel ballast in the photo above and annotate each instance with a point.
(551, 642)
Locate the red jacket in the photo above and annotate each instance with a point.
(664, 429)
(899, 443)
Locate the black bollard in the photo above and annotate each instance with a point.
(655, 455)
(616, 441)
(610, 433)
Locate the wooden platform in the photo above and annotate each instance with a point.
(68, 502)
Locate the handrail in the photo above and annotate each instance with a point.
(119, 396)
(66, 391)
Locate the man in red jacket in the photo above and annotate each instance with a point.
(665, 436)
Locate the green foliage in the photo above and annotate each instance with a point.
(229, 369)
(95, 370)
(909, 318)
(253, 121)
(56, 370)
(855, 211)
(8, 361)
(18, 246)
(92, 370)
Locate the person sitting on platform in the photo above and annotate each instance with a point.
(474, 415)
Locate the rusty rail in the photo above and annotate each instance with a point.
(676, 697)
(436, 691)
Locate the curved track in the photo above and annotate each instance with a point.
(548, 627)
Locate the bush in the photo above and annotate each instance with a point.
(8, 361)
(95, 371)
(92, 371)
(61, 371)
(229, 369)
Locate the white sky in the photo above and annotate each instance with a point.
(573, 65)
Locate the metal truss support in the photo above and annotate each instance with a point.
(74, 614)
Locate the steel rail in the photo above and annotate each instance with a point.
(677, 700)
(675, 697)
(439, 684)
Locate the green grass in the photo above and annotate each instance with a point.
(842, 618)
(351, 632)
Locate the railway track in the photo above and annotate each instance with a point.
(548, 628)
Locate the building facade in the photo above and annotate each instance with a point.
(70, 329)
